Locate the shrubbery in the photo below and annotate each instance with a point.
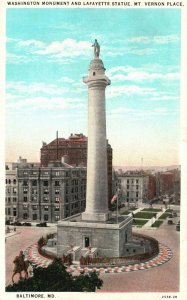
(55, 278)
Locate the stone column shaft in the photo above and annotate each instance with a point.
(97, 179)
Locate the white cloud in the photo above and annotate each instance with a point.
(28, 43)
(160, 39)
(117, 91)
(122, 110)
(66, 79)
(123, 73)
(66, 48)
(12, 58)
(21, 87)
(164, 98)
(46, 103)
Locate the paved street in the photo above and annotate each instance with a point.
(160, 279)
(25, 237)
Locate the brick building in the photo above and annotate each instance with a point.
(75, 149)
(151, 191)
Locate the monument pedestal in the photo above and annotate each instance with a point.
(107, 237)
(96, 217)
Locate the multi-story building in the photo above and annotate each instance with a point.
(133, 186)
(47, 194)
(11, 195)
(136, 187)
(168, 184)
(75, 149)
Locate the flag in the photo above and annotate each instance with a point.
(114, 198)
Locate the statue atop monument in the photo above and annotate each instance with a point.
(96, 48)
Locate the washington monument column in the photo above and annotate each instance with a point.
(97, 183)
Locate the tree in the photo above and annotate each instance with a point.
(55, 278)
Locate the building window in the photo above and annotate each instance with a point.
(25, 182)
(57, 183)
(132, 181)
(137, 180)
(57, 173)
(45, 183)
(25, 216)
(14, 190)
(46, 217)
(137, 194)
(34, 207)
(127, 187)
(127, 194)
(14, 181)
(9, 181)
(25, 173)
(127, 180)
(57, 218)
(45, 199)
(25, 199)
(57, 192)
(25, 191)
(34, 183)
(57, 199)
(57, 208)
(14, 199)
(9, 212)
(46, 173)
(25, 207)
(35, 192)
(46, 207)
(6, 181)
(34, 216)
(46, 191)
(137, 187)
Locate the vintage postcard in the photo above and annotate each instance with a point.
(94, 133)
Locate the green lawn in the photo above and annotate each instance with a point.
(164, 216)
(145, 215)
(157, 223)
(139, 222)
(152, 209)
(169, 210)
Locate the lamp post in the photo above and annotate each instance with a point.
(117, 205)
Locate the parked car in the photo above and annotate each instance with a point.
(26, 224)
(42, 224)
(16, 223)
(170, 221)
(178, 226)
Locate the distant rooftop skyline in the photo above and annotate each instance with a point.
(48, 53)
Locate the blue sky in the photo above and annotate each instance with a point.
(48, 53)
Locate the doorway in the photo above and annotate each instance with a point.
(86, 241)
